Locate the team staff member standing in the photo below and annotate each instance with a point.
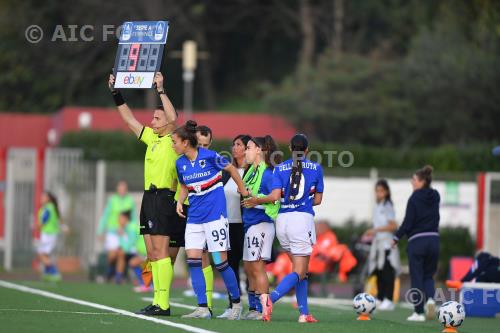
(383, 261)
(158, 206)
(233, 200)
(421, 226)
(204, 136)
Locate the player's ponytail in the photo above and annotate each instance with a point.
(53, 200)
(298, 145)
(188, 132)
(425, 175)
(270, 148)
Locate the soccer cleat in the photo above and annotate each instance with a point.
(416, 317)
(199, 313)
(155, 310)
(246, 314)
(252, 315)
(267, 307)
(225, 314)
(307, 319)
(142, 289)
(430, 309)
(144, 309)
(236, 311)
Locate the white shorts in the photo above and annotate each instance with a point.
(296, 232)
(258, 242)
(112, 242)
(213, 236)
(47, 243)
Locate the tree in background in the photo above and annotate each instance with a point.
(441, 91)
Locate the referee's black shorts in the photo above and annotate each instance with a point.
(158, 215)
(179, 229)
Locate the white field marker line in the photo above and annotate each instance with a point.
(179, 305)
(66, 312)
(47, 294)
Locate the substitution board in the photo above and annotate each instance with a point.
(140, 53)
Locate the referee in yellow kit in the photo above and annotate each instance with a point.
(158, 217)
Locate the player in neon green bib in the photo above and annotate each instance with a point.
(108, 225)
(119, 202)
(133, 249)
(258, 221)
(49, 223)
(127, 238)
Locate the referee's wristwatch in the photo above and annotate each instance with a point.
(161, 92)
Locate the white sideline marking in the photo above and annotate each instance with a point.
(47, 294)
(179, 305)
(67, 312)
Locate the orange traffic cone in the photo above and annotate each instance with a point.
(363, 317)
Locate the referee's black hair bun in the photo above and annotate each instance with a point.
(191, 126)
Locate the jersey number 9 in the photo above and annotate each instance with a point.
(300, 194)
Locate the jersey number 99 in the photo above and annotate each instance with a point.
(219, 235)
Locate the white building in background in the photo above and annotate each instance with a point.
(353, 199)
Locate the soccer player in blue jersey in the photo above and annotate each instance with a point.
(298, 183)
(199, 173)
(258, 221)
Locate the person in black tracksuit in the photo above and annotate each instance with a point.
(421, 226)
(486, 268)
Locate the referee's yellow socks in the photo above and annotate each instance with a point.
(156, 285)
(208, 273)
(165, 275)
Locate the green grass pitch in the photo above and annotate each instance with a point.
(23, 312)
